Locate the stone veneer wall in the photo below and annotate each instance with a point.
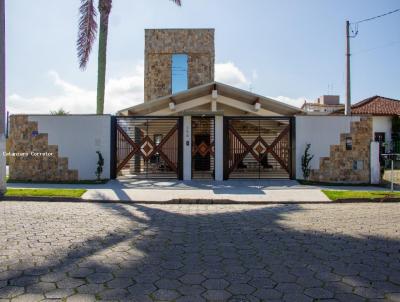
(160, 44)
(24, 138)
(338, 167)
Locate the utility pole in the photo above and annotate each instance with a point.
(347, 108)
(2, 95)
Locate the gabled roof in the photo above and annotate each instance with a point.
(376, 105)
(203, 90)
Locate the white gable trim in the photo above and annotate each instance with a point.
(205, 90)
(184, 106)
(244, 106)
(208, 99)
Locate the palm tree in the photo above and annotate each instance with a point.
(87, 36)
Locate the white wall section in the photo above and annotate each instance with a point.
(375, 165)
(383, 124)
(218, 147)
(78, 137)
(187, 147)
(3, 172)
(321, 132)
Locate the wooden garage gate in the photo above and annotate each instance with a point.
(148, 147)
(258, 147)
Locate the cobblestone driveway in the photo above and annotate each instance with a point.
(84, 252)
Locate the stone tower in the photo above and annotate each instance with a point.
(162, 44)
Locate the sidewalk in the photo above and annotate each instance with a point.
(233, 190)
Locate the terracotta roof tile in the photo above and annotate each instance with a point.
(376, 105)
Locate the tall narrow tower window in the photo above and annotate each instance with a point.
(179, 72)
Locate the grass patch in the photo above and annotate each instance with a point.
(333, 184)
(74, 193)
(335, 195)
(77, 182)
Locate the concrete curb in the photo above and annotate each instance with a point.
(196, 201)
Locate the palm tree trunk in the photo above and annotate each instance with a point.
(104, 8)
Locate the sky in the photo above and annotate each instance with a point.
(289, 50)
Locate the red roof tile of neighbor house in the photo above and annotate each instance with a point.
(376, 105)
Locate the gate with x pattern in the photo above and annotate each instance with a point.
(148, 147)
(258, 147)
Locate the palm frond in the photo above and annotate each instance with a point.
(87, 31)
(177, 2)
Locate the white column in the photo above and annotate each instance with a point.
(219, 147)
(2, 97)
(187, 148)
(375, 165)
(2, 164)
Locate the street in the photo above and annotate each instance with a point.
(120, 252)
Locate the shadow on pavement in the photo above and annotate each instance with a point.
(245, 255)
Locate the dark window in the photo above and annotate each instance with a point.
(358, 165)
(349, 143)
(380, 137)
(179, 72)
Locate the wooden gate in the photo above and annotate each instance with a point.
(258, 148)
(148, 147)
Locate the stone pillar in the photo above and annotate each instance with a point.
(161, 44)
(219, 147)
(187, 147)
(374, 162)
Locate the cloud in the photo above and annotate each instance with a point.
(297, 102)
(121, 92)
(125, 91)
(228, 73)
(254, 75)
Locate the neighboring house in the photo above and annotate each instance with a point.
(325, 104)
(383, 110)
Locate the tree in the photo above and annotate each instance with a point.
(87, 35)
(59, 111)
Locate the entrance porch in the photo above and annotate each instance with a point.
(210, 147)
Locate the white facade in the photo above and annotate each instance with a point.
(219, 150)
(2, 164)
(374, 164)
(187, 148)
(382, 124)
(78, 137)
(321, 132)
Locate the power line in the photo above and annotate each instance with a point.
(376, 17)
(355, 24)
(348, 36)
